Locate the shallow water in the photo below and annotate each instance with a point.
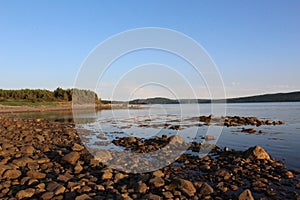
(281, 141)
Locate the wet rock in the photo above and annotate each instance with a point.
(12, 174)
(186, 186)
(71, 158)
(246, 195)
(257, 152)
(27, 193)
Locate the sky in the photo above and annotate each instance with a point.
(255, 45)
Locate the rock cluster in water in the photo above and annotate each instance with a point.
(235, 121)
(47, 160)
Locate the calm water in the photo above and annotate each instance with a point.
(282, 142)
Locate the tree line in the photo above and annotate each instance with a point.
(38, 95)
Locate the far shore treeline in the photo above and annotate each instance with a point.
(39, 95)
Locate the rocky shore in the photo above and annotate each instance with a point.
(47, 160)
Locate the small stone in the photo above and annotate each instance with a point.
(72, 157)
(103, 155)
(289, 175)
(176, 139)
(77, 147)
(157, 182)
(35, 174)
(99, 187)
(142, 187)
(83, 197)
(168, 195)
(158, 173)
(65, 178)
(28, 149)
(78, 168)
(151, 196)
(206, 189)
(246, 195)
(55, 188)
(187, 187)
(12, 174)
(47, 195)
(27, 193)
(107, 175)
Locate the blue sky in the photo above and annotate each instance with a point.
(255, 44)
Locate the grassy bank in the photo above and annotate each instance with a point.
(20, 103)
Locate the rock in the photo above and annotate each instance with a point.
(157, 182)
(22, 162)
(103, 155)
(27, 149)
(257, 152)
(35, 174)
(47, 195)
(119, 176)
(107, 175)
(186, 186)
(289, 175)
(65, 178)
(246, 195)
(209, 137)
(12, 174)
(83, 197)
(249, 130)
(151, 196)
(72, 157)
(55, 188)
(77, 147)
(158, 173)
(206, 189)
(78, 168)
(27, 193)
(168, 195)
(142, 187)
(176, 139)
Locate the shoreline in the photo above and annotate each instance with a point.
(47, 160)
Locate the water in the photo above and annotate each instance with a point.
(282, 141)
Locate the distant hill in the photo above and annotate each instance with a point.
(279, 97)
